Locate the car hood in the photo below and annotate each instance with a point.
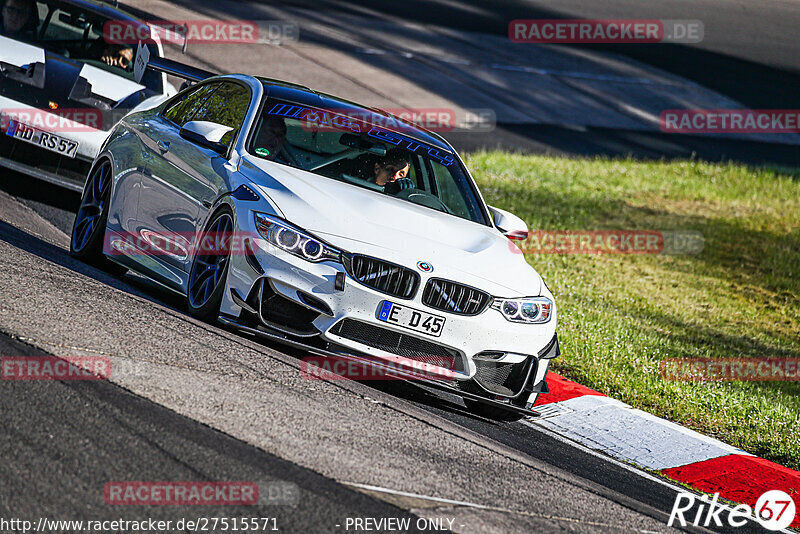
(363, 221)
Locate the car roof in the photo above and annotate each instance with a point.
(301, 94)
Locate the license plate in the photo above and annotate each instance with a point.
(46, 140)
(416, 320)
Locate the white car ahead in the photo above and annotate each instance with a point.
(63, 85)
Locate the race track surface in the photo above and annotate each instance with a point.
(191, 401)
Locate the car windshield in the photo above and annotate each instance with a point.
(75, 33)
(350, 147)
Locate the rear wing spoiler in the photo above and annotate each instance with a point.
(160, 64)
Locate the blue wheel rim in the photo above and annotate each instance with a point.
(210, 261)
(92, 205)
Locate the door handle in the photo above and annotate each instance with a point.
(163, 146)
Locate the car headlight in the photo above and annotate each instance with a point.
(533, 310)
(295, 241)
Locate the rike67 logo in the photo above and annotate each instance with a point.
(774, 510)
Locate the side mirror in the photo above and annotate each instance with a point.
(207, 134)
(509, 224)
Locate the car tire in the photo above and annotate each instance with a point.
(89, 227)
(209, 272)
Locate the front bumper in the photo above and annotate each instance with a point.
(301, 299)
(523, 409)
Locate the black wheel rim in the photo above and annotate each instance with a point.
(95, 196)
(210, 261)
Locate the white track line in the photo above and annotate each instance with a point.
(630, 434)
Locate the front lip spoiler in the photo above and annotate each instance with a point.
(275, 335)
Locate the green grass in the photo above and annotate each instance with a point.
(620, 315)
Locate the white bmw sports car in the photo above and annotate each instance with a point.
(63, 85)
(345, 231)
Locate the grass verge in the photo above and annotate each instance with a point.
(621, 315)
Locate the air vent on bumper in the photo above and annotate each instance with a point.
(505, 379)
(398, 343)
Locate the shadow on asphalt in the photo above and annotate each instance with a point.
(640, 145)
(128, 283)
(754, 84)
(79, 435)
(143, 287)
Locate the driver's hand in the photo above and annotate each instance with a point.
(398, 185)
(117, 57)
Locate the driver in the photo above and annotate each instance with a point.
(392, 169)
(389, 171)
(19, 19)
(112, 54)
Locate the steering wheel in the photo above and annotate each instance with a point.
(423, 198)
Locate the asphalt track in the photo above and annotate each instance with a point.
(209, 404)
(203, 408)
(749, 51)
(747, 56)
(63, 440)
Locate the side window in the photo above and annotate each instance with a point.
(418, 173)
(449, 191)
(228, 106)
(184, 107)
(69, 27)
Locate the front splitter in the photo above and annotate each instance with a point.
(275, 335)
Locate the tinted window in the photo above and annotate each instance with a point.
(352, 149)
(454, 193)
(76, 33)
(227, 105)
(186, 105)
